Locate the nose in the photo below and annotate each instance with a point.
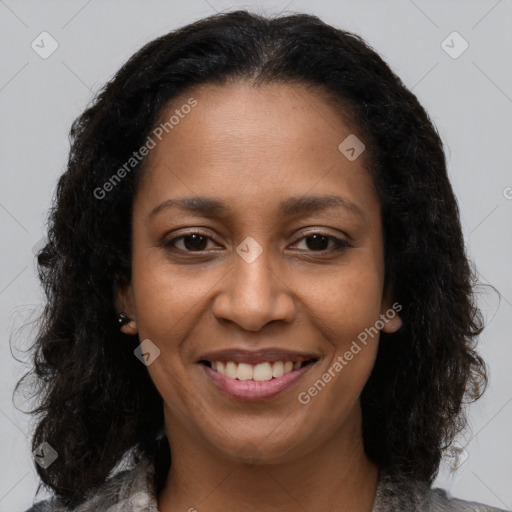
(254, 293)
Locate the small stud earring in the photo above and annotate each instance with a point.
(122, 319)
(126, 325)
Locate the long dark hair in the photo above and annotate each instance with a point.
(97, 402)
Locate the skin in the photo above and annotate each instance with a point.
(252, 147)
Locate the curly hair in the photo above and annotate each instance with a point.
(97, 402)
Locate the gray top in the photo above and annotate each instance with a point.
(402, 494)
(133, 490)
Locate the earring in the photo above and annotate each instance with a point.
(122, 319)
(126, 325)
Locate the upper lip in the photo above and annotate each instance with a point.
(258, 356)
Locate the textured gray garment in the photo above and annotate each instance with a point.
(402, 494)
(134, 490)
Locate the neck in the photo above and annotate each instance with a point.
(336, 475)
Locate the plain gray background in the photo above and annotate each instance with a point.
(469, 99)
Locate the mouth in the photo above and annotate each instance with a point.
(261, 375)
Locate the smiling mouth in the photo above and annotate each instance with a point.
(261, 372)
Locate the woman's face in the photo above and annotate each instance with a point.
(263, 283)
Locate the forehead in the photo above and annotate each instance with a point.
(254, 145)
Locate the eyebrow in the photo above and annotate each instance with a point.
(211, 207)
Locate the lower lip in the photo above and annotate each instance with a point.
(256, 390)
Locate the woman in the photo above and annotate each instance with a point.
(265, 209)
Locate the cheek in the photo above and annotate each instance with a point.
(345, 301)
(167, 296)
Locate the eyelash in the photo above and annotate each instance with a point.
(340, 244)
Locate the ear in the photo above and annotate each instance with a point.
(390, 312)
(125, 303)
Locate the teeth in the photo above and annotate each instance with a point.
(244, 372)
(231, 369)
(259, 372)
(277, 369)
(262, 371)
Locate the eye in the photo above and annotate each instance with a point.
(319, 242)
(195, 241)
(191, 242)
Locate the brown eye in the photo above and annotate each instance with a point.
(192, 242)
(319, 242)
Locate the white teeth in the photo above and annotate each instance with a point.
(262, 371)
(259, 372)
(277, 369)
(231, 368)
(244, 371)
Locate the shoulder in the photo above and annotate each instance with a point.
(442, 500)
(125, 490)
(398, 493)
(44, 506)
